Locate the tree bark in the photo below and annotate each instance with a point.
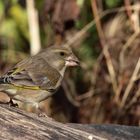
(16, 124)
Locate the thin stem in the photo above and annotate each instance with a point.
(130, 84)
(33, 27)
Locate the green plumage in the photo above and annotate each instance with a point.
(36, 78)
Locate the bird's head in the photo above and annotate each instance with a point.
(61, 57)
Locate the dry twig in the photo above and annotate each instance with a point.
(100, 16)
(33, 27)
(125, 47)
(105, 46)
(68, 92)
(91, 91)
(129, 12)
(134, 99)
(130, 84)
(121, 59)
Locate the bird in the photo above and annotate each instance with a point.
(38, 77)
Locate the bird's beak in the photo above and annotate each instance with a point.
(72, 61)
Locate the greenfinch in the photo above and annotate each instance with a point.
(36, 78)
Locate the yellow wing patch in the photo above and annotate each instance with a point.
(19, 87)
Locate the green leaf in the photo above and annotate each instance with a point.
(8, 28)
(1, 9)
(14, 1)
(112, 3)
(80, 2)
(20, 16)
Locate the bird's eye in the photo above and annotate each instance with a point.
(62, 53)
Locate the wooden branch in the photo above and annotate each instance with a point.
(16, 124)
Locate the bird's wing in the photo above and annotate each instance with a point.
(32, 74)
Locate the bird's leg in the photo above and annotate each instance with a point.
(41, 114)
(11, 103)
(39, 111)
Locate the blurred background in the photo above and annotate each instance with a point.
(104, 34)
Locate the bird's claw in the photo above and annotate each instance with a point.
(11, 103)
(44, 115)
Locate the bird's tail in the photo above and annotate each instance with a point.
(2, 80)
